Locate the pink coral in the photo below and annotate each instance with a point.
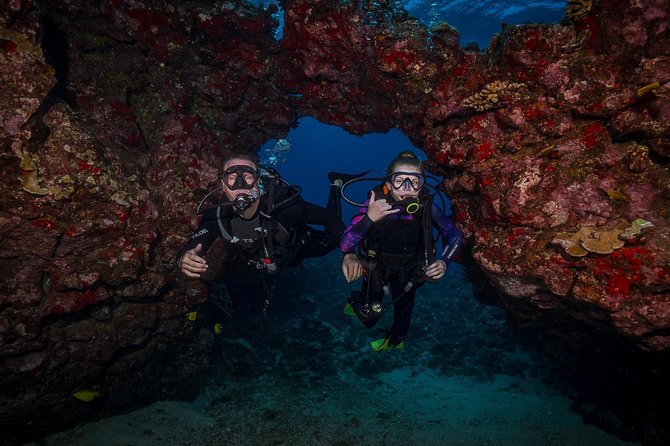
(655, 12)
(13, 124)
(634, 34)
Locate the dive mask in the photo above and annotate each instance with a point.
(406, 180)
(240, 177)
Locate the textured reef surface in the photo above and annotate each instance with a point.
(115, 115)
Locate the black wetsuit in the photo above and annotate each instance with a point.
(394, 253)
(288, 240)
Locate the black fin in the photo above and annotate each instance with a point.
(344, 177)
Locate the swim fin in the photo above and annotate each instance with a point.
(385, 344)
(338, 179)
(364, 311)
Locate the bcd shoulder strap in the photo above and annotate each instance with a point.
(428, 240)
(223, 222)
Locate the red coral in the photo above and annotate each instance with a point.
(477, 122)
(462, 68)
(56, 309)
(460, 215)
(516, 233)
(151, 26)
(122, 216)
(133, 139)
(149, 21)
(215, 27)
(71, 232)
(484, 151)
(592, 135)
(44, 223)
(9, 46)
(533, 111)
(188, 122)
(88, 166)
(120, 109)
(621, 269)
(399, 59)
(589, 25)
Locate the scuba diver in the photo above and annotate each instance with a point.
(393, 231)
(264, 224)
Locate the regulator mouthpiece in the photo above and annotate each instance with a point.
(242, 202)
(409, 205)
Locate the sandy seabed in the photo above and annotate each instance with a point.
(308, 377)
(402, 407)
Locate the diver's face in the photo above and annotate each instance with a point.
(240, 177)
(405, 182)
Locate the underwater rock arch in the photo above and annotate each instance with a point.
(555, 128)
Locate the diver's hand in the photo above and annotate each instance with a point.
(436, 270)
(378, 209)
(351, 267)
(191, 263)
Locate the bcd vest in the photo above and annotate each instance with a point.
(400, 244)
(262, 241)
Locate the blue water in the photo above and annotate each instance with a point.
(318, 148)
(476, 21)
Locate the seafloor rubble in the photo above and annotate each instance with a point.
(115, 115)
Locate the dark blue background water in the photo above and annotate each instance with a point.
(317, 149)
(477, 21)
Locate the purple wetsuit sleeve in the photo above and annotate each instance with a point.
(356, 231)
(452, 236)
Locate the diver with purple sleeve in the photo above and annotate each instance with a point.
(393, 231)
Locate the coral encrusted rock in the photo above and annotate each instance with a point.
(116, 116)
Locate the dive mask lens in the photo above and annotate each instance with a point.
(407, 180)
(240, 177)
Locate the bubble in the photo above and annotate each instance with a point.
(278, 154)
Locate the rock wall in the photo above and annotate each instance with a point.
(115, 116)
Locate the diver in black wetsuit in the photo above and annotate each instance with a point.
(264, 223)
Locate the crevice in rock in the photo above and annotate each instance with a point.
(56, 47)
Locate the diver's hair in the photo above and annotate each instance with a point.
(249, 156)
(408, 158)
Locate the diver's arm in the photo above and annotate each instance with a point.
(191, 264)
(452, 236)
(357, 230)
(188, 259)
(379, 209)
(351, 267)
